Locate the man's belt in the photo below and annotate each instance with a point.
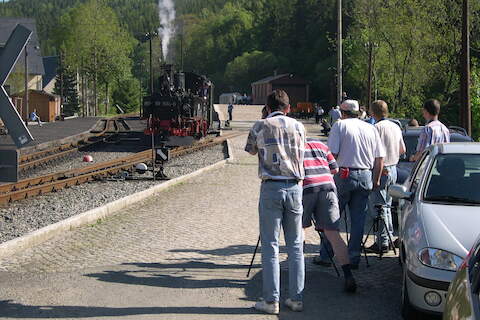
(282, 180)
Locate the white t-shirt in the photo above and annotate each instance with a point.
(392, 141)
(356, 144)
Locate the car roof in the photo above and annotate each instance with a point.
(459, 147)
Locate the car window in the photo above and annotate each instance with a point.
(459, 170)
(411, 141)
(419, 170)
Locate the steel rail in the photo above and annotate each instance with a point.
(59, 180)
(33, 160)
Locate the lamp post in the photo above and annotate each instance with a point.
(26, 82)
(26, 85)
(149, 37)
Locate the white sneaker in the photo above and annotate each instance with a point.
(296, 306)
(270, 308)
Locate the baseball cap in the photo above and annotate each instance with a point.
(350, 106)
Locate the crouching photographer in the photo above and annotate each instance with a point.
(320, 203)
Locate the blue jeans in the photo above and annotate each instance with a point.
(281, 206)
(380, 196)
(352, 192)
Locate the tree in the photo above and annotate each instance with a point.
(96, 44)
(249, 67)
(127, 95)
(66, 87)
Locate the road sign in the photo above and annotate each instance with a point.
(8, 113)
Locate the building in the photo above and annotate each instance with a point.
(16, 82)
(51, 65)
(296, 88)
(46, 104)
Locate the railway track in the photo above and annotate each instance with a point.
(104, 129)
(56, 181)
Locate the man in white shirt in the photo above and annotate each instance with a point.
(360, 153)
(392, 140)
(335, 115)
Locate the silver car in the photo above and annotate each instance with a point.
(439, 220)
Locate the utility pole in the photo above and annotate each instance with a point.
(466, 108)
(339, 54)
(370, 69)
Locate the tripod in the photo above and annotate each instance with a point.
(378, 221)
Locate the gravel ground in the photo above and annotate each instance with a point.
(22, 217)
(72, 161)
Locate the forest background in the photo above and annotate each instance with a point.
(416, 46)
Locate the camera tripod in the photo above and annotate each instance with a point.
(378, 222)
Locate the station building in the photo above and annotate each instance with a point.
(296, 87)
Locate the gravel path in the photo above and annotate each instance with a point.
(20, 218)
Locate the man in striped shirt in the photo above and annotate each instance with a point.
(320, 202)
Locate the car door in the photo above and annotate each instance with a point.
(474, 278)
(413, 185)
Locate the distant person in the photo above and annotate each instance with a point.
(363, 113)
(35, 117)
(230, 112)
(319, 112)
(434, 131)
(335, 115)
(344, 96)
(279, 142)
(413, 123)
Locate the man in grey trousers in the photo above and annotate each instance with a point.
(279, 142)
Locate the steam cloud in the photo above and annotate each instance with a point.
(167, 28)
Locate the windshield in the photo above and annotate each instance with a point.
(454, 178)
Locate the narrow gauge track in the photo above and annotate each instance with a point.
(56, 181)
(107, 127)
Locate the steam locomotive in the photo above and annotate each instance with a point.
(180, 108)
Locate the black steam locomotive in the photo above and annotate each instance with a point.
(181, 106)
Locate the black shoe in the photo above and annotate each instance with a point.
(350, 285)
(319, 262)
(354, 266)
(396, 243)
(374, 249)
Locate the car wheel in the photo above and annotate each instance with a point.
(408, 311)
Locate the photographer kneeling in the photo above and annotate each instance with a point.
(320, 202)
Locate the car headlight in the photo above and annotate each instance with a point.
(439, 259)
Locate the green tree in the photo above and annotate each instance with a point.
(96, 44)
(66, 87)
(249, 67)
(127, 95)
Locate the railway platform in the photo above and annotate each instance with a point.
(50, 133)
(181, 254)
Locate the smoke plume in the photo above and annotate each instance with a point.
(167, 28)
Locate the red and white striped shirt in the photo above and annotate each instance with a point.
(318, 164)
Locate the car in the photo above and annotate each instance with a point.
(410, 136)
(438, 222)
(463, 299)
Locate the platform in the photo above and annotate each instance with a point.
(50, 132)
(183, 254)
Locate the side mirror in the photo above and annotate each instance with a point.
(400, 192)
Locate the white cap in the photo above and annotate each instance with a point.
(350, 106)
